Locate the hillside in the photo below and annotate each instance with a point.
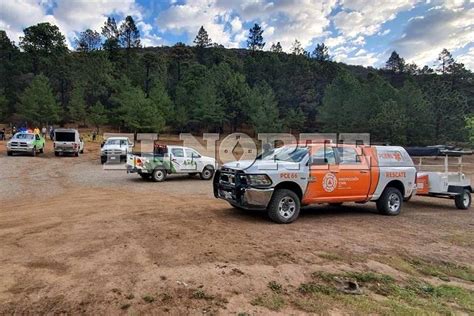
(196, 89)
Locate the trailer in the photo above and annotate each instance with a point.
(448, 184)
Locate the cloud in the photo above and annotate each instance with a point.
(424, 37)
(360, 17)
(71, 17)
(283, 21)
(467, 59)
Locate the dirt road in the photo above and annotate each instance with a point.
(77, 239)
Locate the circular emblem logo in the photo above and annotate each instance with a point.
(329, 182)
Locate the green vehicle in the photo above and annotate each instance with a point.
(24, 142)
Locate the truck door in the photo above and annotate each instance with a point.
(193, 160)
(322, 181)
(177, 159)
(354, 173)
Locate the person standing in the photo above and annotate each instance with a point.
(43, 131)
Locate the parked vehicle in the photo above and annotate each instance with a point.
(67, 141)
(25, 142)
(442, 184)
(280, 181)
(167, 160)
(115, 149)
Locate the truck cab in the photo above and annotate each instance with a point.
(284, 179)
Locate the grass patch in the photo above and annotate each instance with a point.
(331, 256)
(275, 287)
(273, 301)
(443, 269)
(315, 288)
(148, 298)
(201, 295)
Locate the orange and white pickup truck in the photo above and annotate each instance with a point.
(282, 180)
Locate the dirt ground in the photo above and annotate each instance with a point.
(75, 239)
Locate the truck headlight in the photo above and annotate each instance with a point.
(259, 180)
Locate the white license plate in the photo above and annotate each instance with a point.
(113, 158)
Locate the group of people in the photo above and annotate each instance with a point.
(24, 128)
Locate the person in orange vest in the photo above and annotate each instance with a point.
(36, 131)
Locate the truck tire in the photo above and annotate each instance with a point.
(463, 200)
(76, 154)
(390, 203)
(158, 175)
(56, 154)
(33, 153)
(9, 153)
(284, 206)
(207, 173)
(42, 150)
(103, 159)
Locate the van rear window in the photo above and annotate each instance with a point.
(65, 137)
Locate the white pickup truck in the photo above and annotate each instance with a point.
(167, 160)
(115, 149)
(67, 141)
(282, 180)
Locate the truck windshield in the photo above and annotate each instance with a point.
(288, 153)
(24, 136)
(116, 142)
(65, 136)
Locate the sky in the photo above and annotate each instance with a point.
(359, 32)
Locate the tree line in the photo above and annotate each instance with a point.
(110, 79)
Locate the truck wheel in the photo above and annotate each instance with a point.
(33, 153)
(76, 154)
(463, 200)
(56, 153)
(390, 203)
(82, 151)
(207, 173)
(103, 159)
(158, 175)
(284, 207)
(42, 150)
(9, 153)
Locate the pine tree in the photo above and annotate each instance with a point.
(97, 115)
(294, 120)
(446, 62)
(3, 106)
(202, 39)
(111, 33)
(77, 107)
(395, 63)
(255, 41)
(264, 115)
(276, 48)
(87, 41)
(129, 34)
(37, 103)
(297, 48)
(321, 53)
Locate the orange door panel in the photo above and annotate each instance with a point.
(348, 180)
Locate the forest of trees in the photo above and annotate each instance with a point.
(109, 79)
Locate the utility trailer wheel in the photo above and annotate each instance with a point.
(159, 175)
(284, 207)
(207, 173)
(390, 203)
(463, 200)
